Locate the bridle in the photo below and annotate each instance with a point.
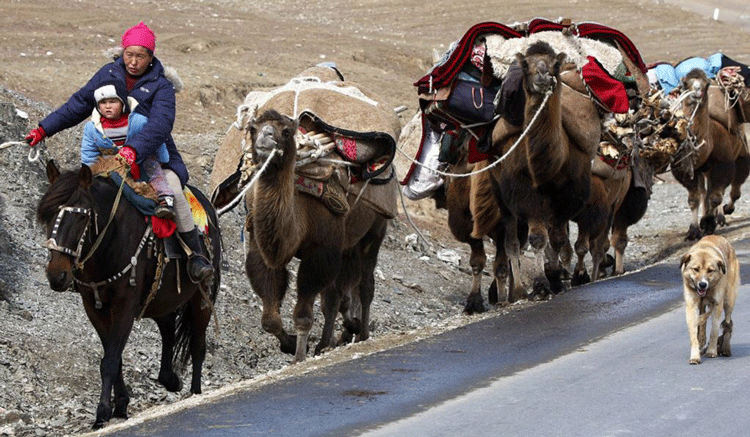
(52, 240)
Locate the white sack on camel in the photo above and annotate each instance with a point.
(502, 52)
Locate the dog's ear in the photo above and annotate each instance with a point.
(722, 267)
(685, 260)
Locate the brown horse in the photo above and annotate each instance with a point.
(100, 246)
(337, 253)
(718, 156)
(547, 179)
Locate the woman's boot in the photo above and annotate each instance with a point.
(199, 269)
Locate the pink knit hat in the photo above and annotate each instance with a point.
(139, 35)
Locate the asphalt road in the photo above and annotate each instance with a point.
(605, 359)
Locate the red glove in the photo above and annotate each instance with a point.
(35, 136)
(128, 154)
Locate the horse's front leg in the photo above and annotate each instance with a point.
(113, 324)
(167, 376)
(201, 317)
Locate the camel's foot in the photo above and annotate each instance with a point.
(492, 295)
(607, 262)
(288, 344)
(580, 278)
(708, 225)
(694, 233)
(554, 276)
(474, 304)
(728, 209)
(541, 290)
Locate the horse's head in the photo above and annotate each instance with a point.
(541, 67)
(697, 83)
(66, 210)
(270, 132)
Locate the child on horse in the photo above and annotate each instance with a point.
(112, 124)
(146, 82)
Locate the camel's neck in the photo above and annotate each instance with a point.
(276, 222)
(701, 119)
(546, 144)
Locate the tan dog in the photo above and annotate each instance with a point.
(710, 278)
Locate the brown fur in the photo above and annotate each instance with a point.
(710, 279)
(546, 181)
(337, 253)
(594, 223)
(472, 205)
(721, 160)
(107, 164)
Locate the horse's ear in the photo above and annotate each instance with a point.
(52, 171)
(85, 176)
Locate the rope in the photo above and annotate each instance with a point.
(33, 153)
(239, 196)
(496, 162)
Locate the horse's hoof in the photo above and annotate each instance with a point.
(121, 409)
(170, 381)
(607, 262)
(728, 210)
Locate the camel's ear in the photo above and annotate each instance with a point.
(85, 176)
(522, 61)
(722, 267)
(52, 171)
(685, 260)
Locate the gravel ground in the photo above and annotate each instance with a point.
(49, 353)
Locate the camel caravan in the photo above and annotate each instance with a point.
(522, 130)
(577, 128)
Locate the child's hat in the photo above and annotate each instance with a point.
(112, 90)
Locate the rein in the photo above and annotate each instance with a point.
(79, 264)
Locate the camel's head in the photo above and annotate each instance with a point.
(270, 132)
(541, 67)
(697, 82)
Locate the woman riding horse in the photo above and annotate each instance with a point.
(144, 78)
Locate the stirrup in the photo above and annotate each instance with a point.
(165, 208)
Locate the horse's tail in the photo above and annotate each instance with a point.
(186, 329)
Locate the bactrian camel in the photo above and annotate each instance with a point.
(337, 253)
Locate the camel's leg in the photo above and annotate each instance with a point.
(580, 275)
(742, 171)
(719, 178)
(370, 251)
(270, 285)
(318, 269)
(538, 240)
(499, 288)
(513, 252)
(558, 239)
(695, 199)
(477, 261)
(330, 303)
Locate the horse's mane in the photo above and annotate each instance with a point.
(59, 192)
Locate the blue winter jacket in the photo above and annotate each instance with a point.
(155, 95)
(94, 139)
